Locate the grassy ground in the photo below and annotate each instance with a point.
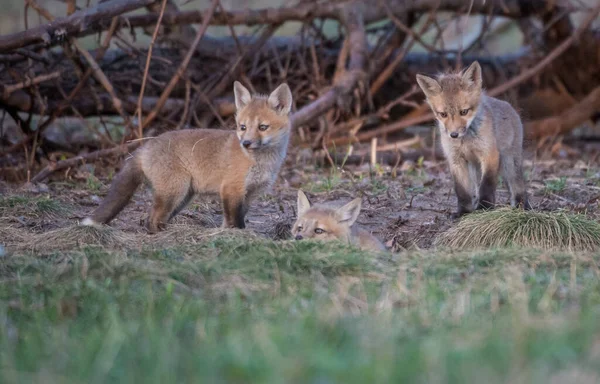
(199, 304)
(231, 310)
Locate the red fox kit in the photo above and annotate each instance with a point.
(481, 136)
(325, 223)
(237, 165)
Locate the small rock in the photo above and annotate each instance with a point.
(95, 199)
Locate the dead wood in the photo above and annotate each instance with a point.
(357, 85)
(567, 120)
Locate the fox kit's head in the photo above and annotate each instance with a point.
(454, 98)
(324, 223)
(262, 121)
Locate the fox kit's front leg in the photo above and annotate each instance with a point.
(235, 206)
(489, 180)
(463, 187)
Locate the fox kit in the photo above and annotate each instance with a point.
(481, 136)
(237, 165)
(325, 223)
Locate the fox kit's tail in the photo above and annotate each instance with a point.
(121, 190)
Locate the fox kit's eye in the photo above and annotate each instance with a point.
(463, 112)
(443, 115)
(263, 127)
(319, 231)
(242, 127)
(299, 228)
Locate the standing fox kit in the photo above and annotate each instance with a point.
(238, 165)
(326, 223)
(481, 136)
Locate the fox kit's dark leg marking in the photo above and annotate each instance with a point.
(234, 212)
(489, 181)
(234, 205)
(463, 187)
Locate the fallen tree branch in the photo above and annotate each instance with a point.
(90, 20)
(48, 170)
(10, 88)
(346, 82)
(567, 120)
(81, 23)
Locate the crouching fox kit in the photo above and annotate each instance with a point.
(237, 165)
(481, 136)
(326, 223)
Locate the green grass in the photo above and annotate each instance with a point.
(231, 310)
(556, 185)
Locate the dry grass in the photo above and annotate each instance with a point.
(74, 236)
(10, 233)
(177, 234)
(506, 227)
(39, 207)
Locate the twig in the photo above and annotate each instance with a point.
(147, 67)
(182, 67)
(8, 89)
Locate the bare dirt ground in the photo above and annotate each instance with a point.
(404, 211)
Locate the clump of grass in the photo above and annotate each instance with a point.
(507, 227)
(76, 236)
(32, 206)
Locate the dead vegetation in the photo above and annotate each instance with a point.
(507, 227)
(351, 66)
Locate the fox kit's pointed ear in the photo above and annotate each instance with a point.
(472, 76)
(429, 85)
(281, 99)
(349, 212)
(303, 203)
(242, 95)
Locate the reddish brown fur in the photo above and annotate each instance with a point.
(481, 137)
(181, 164)
(325, 223)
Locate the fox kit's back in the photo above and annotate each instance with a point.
(481, 137)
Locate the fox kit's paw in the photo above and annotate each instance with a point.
(89, 222)
(522, 203)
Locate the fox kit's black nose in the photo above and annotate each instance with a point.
(246, 143)
(454, 135)
(299, 237)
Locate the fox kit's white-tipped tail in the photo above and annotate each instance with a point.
(89, 222)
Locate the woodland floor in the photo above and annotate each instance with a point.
(405, 207)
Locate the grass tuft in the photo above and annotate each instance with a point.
(507, 227)
(75, 236)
